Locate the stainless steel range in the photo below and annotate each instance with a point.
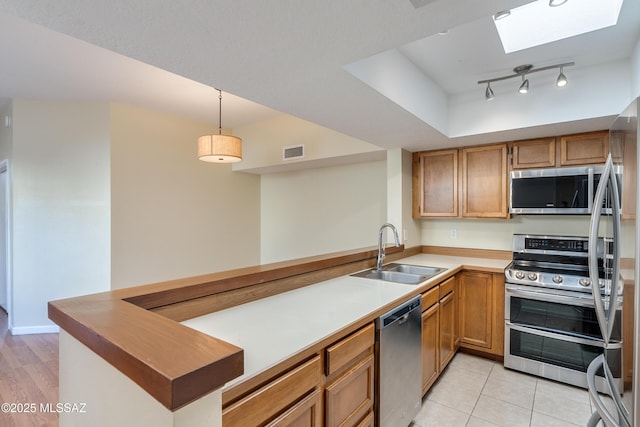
(551, 325)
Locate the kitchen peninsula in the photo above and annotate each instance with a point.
(272, 318)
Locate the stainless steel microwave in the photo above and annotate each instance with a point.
(554, 191)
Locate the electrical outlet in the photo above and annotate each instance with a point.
(405, 235)
(453, 233)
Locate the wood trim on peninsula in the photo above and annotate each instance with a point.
(173, 363)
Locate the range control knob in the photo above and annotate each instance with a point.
(585, 282)
(519, 275)
(601, 283)
(532, 276)
(557, 279)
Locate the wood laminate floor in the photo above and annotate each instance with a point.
(28, 378)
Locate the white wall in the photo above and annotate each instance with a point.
(174, 216)
(635, 71)
(580, 99)
(61, 202)
(318, 211)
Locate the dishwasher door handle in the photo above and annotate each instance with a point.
(403, 319)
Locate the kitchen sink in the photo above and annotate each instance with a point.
(400, 273)
(415, 269)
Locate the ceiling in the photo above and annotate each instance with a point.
(281, 56)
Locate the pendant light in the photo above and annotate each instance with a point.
(219, 148)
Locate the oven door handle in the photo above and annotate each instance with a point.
(570, 338)
(549, 297)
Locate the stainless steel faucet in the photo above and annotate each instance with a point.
(381, 246)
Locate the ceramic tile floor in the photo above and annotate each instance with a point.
(477, 392)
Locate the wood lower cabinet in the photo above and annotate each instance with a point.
(350, 398)
(447, 341)
(281, 395)
(430, 346)
(306, 413)
(438, 330)
(334, 388)
(350, 369)
(482, 311)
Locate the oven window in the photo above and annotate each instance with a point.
(560, 352)
(559, 318)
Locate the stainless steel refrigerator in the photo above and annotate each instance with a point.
(614, 217)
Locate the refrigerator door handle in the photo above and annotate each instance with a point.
(606, 316)
(601, 409)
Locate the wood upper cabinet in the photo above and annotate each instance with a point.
(484, 181)
(482, 311)
(533, 153)
(435, 183)
(584, 148)
(589, 148)
(483, 176)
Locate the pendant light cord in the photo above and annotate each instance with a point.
(220, 112)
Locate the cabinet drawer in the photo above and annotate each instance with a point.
(447, 286)
(306, 413)
(340, 354)
(430, 297)
(350, 397)
(275, 397)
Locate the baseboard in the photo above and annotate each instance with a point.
(28, 330)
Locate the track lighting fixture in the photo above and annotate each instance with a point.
(488, 94)
(562, 79)
(523, 71)
(524, 87)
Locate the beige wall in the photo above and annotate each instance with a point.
(174, 216)
(317, 211)
(264, 141)
(497, 234)
(60, 206)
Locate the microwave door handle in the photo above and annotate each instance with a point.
(594, 275)
(602, 410)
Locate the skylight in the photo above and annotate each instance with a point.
(537, 23)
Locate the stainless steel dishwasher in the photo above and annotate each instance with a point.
(399, 367)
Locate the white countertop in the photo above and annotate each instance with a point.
(275, 328)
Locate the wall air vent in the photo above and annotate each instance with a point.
(293, 152)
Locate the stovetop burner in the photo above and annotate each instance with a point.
(555, 262)
(566, 279)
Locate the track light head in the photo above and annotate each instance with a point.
(554, 3)
(562, 79)
(524, 87)
(488, 94)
